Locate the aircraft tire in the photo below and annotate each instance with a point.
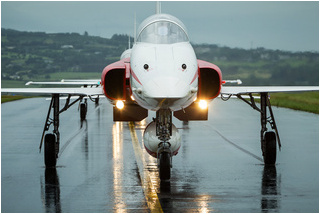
(270, 153)
(83, 111)
(50, 158)
(165, 166)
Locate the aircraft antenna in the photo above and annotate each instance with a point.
(158, 8)
(135, 28)
(129, 42)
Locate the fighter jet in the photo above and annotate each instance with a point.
(160, 73)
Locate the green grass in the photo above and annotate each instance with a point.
(307, 101)
(74, 75)
(13, 84)
(8, 98)
(53, 77)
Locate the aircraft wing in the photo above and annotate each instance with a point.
(238, 90)
(87, 91)
(93, 83)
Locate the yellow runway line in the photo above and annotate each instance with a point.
(148, 188)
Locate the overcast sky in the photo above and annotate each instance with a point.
(292, 26)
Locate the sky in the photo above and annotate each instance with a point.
(286, 25)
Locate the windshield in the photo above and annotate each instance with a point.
(163, 32)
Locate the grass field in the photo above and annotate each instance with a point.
(8, 98)
(52, 77)
(307, 101)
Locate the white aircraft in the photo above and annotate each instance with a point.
(160, 73)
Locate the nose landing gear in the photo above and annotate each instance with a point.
(164, 153)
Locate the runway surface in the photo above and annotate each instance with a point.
(103, 166)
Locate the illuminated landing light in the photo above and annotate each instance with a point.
(120, 104)
(203, 104)
(132, 98)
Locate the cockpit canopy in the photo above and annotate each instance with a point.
(162, 29)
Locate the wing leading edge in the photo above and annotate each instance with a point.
(88, 88)
(48, 91)
(238, 90)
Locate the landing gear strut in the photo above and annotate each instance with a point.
(52, 140)
(268, 138)
(164, 153)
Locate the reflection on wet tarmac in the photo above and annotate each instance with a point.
(270, 190)
(117, 139)
(147, 173)
(203, 204)
(84, 125)
(99, 171)
(51, 191)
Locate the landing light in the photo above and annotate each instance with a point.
(203, 104)
(120, 104)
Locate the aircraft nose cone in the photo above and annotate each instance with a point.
(166, 87)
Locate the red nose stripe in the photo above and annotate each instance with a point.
(194, 78)
(135, 77)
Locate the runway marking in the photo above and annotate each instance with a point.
(149, 190)
(69, 141)
(238, 147)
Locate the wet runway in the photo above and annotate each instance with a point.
(103, 166)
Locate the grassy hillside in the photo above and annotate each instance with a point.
(40, 56)
(263, 67)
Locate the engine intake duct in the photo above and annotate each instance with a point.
(115, 83)
(210, 80)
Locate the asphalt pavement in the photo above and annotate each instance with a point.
(103, 166)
